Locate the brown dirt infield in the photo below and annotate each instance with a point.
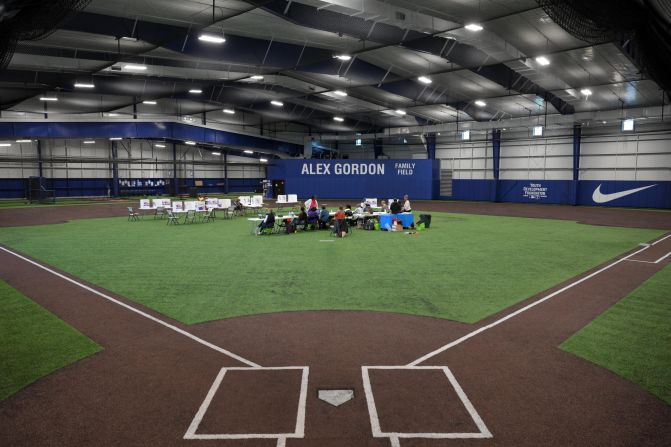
(146, 386)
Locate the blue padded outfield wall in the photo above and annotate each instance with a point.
(639, 194)
(357, 178)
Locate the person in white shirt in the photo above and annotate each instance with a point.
(406, 204)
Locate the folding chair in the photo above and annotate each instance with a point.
(190, 216)
(160, 212)
(208, 215)
(172, 218)
(132, 215)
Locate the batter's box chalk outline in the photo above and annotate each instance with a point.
(395, 436)
(299, 432)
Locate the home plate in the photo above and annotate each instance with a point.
(335, 397)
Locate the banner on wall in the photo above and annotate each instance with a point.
(357, 178)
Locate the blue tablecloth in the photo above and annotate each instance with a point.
(406, 218)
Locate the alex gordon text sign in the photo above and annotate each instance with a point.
(355, 168)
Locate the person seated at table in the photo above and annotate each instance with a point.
(301, 219)
(395, 207)
(237, 205)
(313, 217)
(324, 218)
(367, 208)
(356, 215)
(311, 203)
(406, 204)
(268, 221)
(384, 208)
(340, 226)
(348, 210)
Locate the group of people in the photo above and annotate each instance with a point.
(316, 218)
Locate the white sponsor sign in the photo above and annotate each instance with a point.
(535, 191)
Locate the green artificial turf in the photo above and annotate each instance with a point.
(34, 342)
(633, 338)
(465, 267)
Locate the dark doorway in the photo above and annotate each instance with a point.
(278, 188)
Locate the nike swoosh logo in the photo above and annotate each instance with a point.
(600, 197)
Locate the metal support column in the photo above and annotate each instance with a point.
(115, 169)
(431, 146)
(39, 159)
(496, 161)
(577, 137)
(175, 179)
(135, 107)
(226, 172)
(203, 119)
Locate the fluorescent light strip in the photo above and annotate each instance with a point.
(424, 80)
(586, 91)
(5, 144)
(216, 153)
(195, 91)
(480, 103)
(211, 38)
(160, 145)
(116, 138)
(277, 103)
(473, 27)
(24, 141)
(89, 142)
(135, 67)
(543, 60)
(256, 77)
(343, 57)
(247, 151)
(48, 98)
(229, 111)
(401, 112)
(149, 103)
(83, 85)
(263, 160)
(340, 119)
(112, 114)
(190, 143)
(340, 92)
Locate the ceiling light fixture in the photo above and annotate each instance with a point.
(5, 144)
(340, 93)
(149, 103)
(343, 57)
(211, 38)
(256, 77)
(263, 160)
(473, 27)
(586, 92)
(24, 141)
(134, 39)
(135, 67)
(628, 125)
(89, 142)
(247, 151)
(190, 143)
(116, 138)
(538, 131)
(480, 103)
(112, 114)
(84, 85)
(195, 91)
(466, 135)
(542, 60)
(216, 153)
(424, 80)
(229, 111)
(48, 98)
(340, 119)
(277, 103)
(162, 146)
(400, 112)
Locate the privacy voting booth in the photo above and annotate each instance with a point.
(358, 178)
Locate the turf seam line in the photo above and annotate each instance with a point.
(528, 306)
(139, 312)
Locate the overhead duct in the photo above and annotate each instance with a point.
(641, 28)
(32, 20)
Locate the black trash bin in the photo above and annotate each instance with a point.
(425, 219)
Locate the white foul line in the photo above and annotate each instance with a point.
(529, 306)
(139, 312)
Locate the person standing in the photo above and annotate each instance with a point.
(406, 204)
